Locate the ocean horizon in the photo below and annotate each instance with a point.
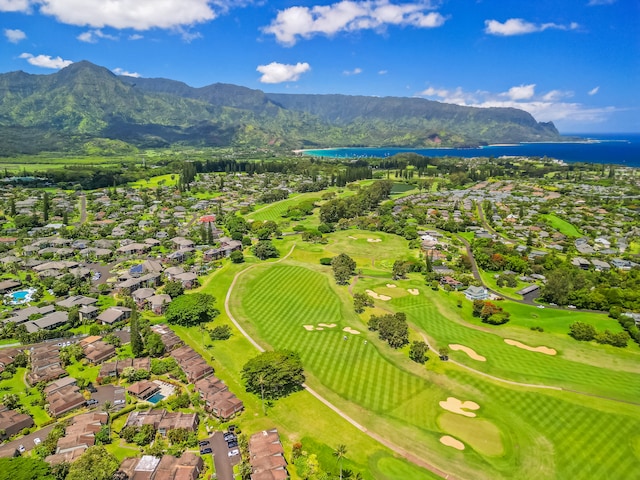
(615, 148)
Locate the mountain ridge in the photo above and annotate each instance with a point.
(84, 101)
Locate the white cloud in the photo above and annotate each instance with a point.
(545, 107)
(14, 36)
(382, 72)
(15, 6)
(135, 36)
(600, 2)
(518, 26)
(135, 14)
(279, 72)
(522, 92)
(120, 71)
(46, 61)
(594, 90)
(92, 36)
(349, 16)
(355, 71)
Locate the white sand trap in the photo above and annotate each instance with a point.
(454, 405)
(373, 294)
(452, 442)
(352, 237)
(309, 328)
(373, 240)
(469, 351)
(351, 331)
(391, 285)
(327, 325)
(545, 350)
(413, 291)
(319, 328)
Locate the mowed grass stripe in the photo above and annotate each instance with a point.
(281, 299)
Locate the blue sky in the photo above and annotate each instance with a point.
(573, 62)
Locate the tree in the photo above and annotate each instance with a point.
(154, 345)
(361, 301)
(137, 347)
(11, 401)
(339, 453)
(45, 206)
(265, 249)
(221, 332)
(173, 289)
(418, 351)
(582, 331)
(400, 269)
(274, 374)
(237, 256)
(343, 267)
(95, 464)
(25, 468)
(391, 328)
(192, 309)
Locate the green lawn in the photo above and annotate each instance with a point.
(562, 226)
(27, 395)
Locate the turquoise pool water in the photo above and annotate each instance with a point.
(155, 398)
(20, 296)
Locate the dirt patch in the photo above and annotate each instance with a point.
(351, 331)
(391, 285)
(541, 349)
(373, 294)
(327, 325)
(309, 328)
(452, 442)
(454, 405)
(469, 351)
(413, 291)
(373, 240)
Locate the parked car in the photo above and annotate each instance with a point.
(91, 388)
(21, 449)
(37, 441)
(229, 437)
(234, 452)
(232, 444)
(91, 401)
(203, 443)
(205, 451)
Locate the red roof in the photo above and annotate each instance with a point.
(207, 219)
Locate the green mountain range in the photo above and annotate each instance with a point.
(84, 102)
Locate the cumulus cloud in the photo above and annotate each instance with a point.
(279, 72)
(15, 6)
(135, 14)
(46, 61)
(135, 36)
(382, 72)
(92, 36)
(518, 26)
(544, 107)
(120, 71)
(294, 23)
(14, 36)
(593, 91)
(355, 71)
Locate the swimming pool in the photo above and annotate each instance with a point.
(21, 296)
(155, 398)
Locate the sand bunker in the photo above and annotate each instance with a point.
(452, 442)
(352, 237)
(469, 351)
(391, 285)
(545, 350)
(373, 294)
(454, 405)
(351, 331)
(327, 325)
(413, 291)
(373, 240)
(309, 328)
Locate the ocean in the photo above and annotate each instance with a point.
(618, 149)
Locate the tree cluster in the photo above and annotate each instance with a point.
(273, 374)
(391, 328)
(343, 267)
(586, 332)
(192, 309)
(490, 313)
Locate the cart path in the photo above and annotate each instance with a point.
(392, 446)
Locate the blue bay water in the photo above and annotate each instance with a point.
(619, 149)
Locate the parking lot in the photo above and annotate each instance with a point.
(221, 459)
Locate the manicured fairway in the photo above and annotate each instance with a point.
(562, 226)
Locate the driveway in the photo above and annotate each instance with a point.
(27, 441)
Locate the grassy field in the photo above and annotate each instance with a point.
(398, 399)
(562, 226)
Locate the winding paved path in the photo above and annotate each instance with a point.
(387, 443)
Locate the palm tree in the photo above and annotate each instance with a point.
(339, 453)
(107, 407)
